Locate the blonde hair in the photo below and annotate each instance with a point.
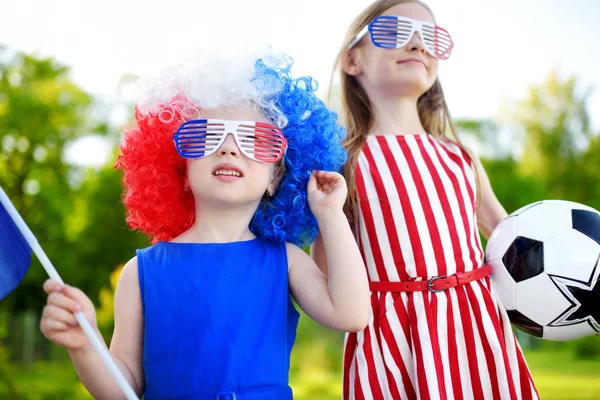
(357, 109)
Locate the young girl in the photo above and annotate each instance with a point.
(226, 171)
(416, 200)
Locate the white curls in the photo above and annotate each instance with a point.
(210, 78)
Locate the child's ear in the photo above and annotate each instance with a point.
(278, 173)
(350, 63)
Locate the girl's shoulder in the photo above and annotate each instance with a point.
(129, 277)
(295, 255)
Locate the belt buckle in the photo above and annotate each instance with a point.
(430, 283)
(226, 396)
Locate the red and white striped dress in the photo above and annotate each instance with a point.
(417, 219)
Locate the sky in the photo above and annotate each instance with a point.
(501, 46)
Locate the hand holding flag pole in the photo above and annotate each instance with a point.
(14, 279)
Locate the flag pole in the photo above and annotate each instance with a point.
(53, 274)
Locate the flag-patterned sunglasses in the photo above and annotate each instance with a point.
(394, 32)
(256, 140)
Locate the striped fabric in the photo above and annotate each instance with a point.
(417, 199)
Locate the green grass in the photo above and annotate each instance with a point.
(557, 374)
(46, 381)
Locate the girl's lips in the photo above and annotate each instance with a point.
(227, 167)
(412, 61)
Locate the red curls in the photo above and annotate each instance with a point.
(155, 176)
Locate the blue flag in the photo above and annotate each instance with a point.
(15, 252)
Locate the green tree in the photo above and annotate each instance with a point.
(98, 231)
(41, 112)
(556, 135)
(590, 170)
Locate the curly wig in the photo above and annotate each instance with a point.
(154, 180)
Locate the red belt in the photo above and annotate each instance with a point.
(434, 284)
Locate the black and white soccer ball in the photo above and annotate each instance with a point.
(545, 260)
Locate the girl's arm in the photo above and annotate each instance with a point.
(339, 300)
(317, 252)
(126, 346)
(490, 212)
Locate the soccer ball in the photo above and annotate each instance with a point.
(545, 262)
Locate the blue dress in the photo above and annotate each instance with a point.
(219, 323)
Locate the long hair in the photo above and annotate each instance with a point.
(357, 108)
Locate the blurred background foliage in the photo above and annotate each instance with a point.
(540, 147)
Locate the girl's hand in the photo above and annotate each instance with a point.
(58, 323)
(326, 191)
